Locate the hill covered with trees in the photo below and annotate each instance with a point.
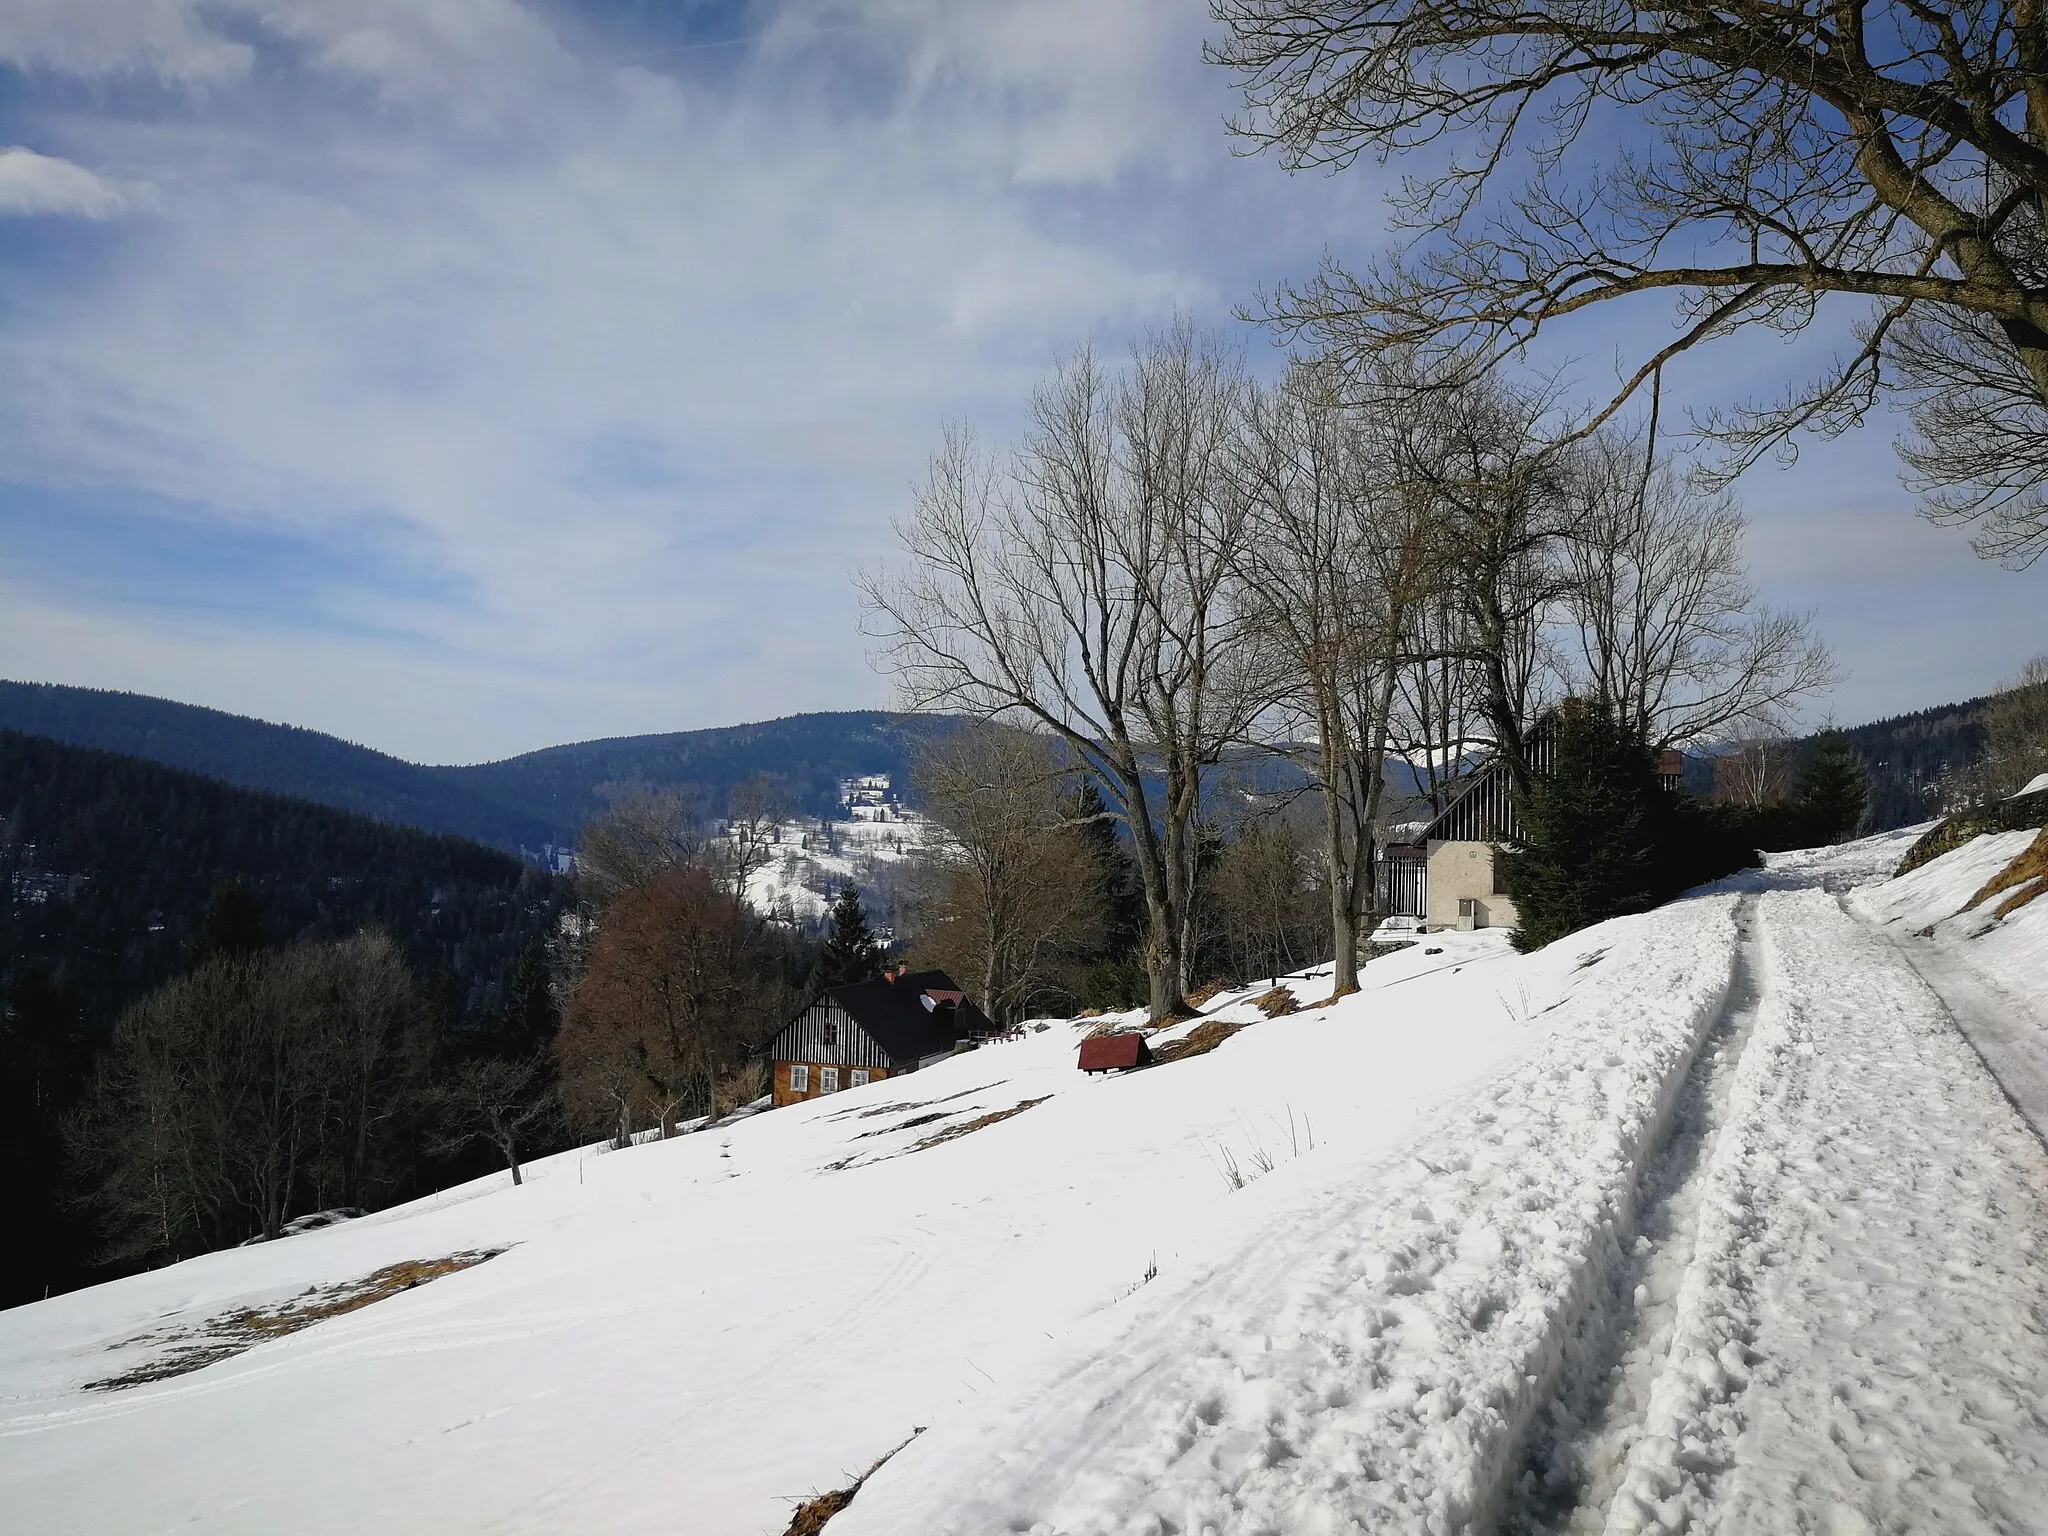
(809, 754)
(520, 804)
(119, 875)
(1910, 757)
(255, 754)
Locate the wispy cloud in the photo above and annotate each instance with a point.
(31, 183)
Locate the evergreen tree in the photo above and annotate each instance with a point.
(1833, 791)
(533, 1015)
(1589, 832)
(852, 952)
(44, 1059)
(233, 928)
(1113, 969)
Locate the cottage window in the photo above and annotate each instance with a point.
(799, 1079)
(831, 1031)
(857, 1078)
(828, 1079)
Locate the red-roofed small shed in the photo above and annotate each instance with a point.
(1113, 1053)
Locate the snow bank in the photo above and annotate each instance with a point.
(1858, 1346)
(2009, 953)
(1371, 1358)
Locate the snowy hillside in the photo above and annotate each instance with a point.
(1705, 1219)
(813, 858)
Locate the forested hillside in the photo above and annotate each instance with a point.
(520, 804)
(108, 867)
(565, 786)
(283, 759)
(1909, 756)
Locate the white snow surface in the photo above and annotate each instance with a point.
(813, 858)
(1707, 1219)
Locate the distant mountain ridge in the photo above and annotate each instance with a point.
(540, 799)
(283, 759)
(1909, 756)
(522, 804)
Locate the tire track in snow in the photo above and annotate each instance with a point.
(1578, 1452)
(1857, 1341)
(1376, 1360)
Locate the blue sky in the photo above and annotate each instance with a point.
(465, 376)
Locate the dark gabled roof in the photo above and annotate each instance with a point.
(895, 1017)
(1483, 808)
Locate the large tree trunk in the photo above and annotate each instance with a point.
(1338, 875)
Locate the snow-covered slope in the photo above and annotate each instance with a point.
(813, 858)
(1700, 1218)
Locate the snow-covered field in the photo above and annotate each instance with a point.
(1707, 1219)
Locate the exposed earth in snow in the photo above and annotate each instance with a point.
(1710, 1219)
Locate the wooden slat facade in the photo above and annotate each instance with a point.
(1484, 811)
(825, 1034)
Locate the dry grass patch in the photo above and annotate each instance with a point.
(812, 1513)
(1199, 1041)
(993, 1117)
(1277, 1003)
(911, 1124)
(1207, 992)
(224, 1337)
(2025, 877)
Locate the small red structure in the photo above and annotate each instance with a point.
(1115, 1053)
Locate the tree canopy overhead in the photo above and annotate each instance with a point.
(1750, 159)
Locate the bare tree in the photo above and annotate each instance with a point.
(495, 1099)
(677, 991)
(1334, 564)
(2016, 730)
(254, 1089)
(636, 841)
(1475, 461)
(1794, 152)
(360, 994)
(1670, 639)
(1079, 586)
(755, 811)
(1266, 895)
(1009, 887)
(600, 1061)
(1434, 727)
(1756, 775)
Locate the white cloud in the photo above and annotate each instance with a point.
(167, 39)
(33, 183)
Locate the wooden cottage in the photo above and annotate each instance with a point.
(852, 1035)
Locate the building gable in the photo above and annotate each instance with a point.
(890, 1023)
(827, 1034)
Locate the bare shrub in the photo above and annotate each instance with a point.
(741, 1087)
(256, 1088)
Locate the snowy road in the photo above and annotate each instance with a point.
(1789, 1281)
(1859, 1340)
